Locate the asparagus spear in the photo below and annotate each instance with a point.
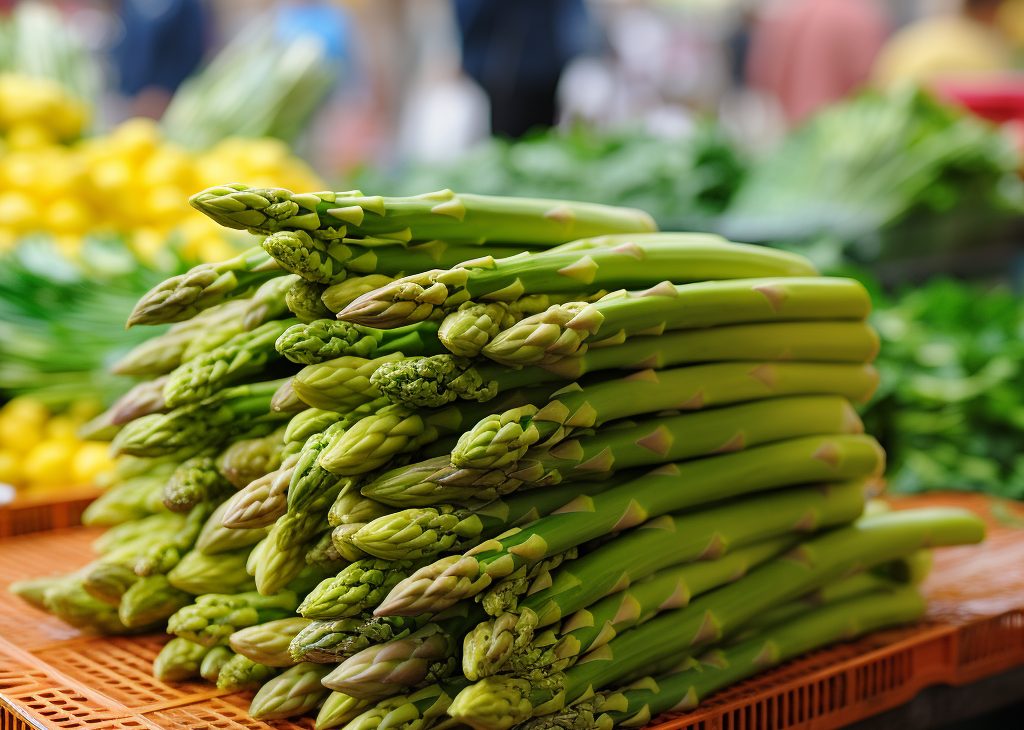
(685, 687)
(305, 302)
(441, 215)
(420, 659)
(294, 692)
(309, 343)
(210, 422)
(263, 501)
(241, 673)
(335, 639)
(249, 459)
(635, 265)
(623, 446)
(870, 541)
(150, 599)
(339, 384)
(268, 303)
(162, 555)
(213, 618)
(569, 330)
(267, 643)
(204, 286)
(416, 711)
(243, 356)
(503, 438)
(213, 662)
(655, 494)
(509, 642)
(161, 354)
(359, 587)
(198, 573)
(326, 555)
(340, 295)
(196, 480)
(330, 261)
(143, 399)
(179, 660)
(338, 709)
(352, 507)
(439, 379)
(108, 582)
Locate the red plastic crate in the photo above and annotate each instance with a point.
(27, 514)
(51, 676)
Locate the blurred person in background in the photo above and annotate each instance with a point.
(810, 53)
(946, 45)
(162, 43)
(516, 51)
(330, 21)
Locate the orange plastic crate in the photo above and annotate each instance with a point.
(28, 514)
(51, 676)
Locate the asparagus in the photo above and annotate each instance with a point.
(501, 702)
(149, 600)
(210, 422)
(437, 380)
(68, 600)
(416, 711)
(626, 445)
(329, 262)
(249, 459)
(420, 659)
(283, 556)
(204, 286)
(466, 330)
(667, 489)
(309, 343)
(196, 480)
(213, 618)
(244, 355)
(339, 384)
(568, 330)
(198, 573)
(503, 438)
(304, 301)
(508, 643)
(108, 582)
(241, 673)
(286, 400)
(308, 422)
(326, 555)
(143, 399)
(352, 507)
(340, 295)
(267, 643)
(263, 501)
(336, 639)
(213, 662)
(636, 264)
(441, 215)
(294, 692)
(268, 303)
(338, 709)
(161, 354)
(359, 587)
(179, 660)
(684, 688)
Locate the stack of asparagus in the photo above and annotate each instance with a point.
(492, 461)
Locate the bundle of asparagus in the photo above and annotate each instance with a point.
(533, 487)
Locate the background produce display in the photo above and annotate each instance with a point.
(491, 486)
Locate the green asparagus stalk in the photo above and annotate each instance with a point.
(326, 555)
(141, 400)
(161, 354)
(267, 643)
(626, 445)
(683, 689)
(249, 459)
(149, 600)
(305, 302)
(33, 590)
(179, 660)
(285, 400)
(196, 480)
(416, 711)
(439, 379)
(241, 673)
(508, 643)
(262, 501)
(283, 556)
(210, 422)
(204, 286)
(569, 330)
(309, 422)
(213, 618)
(442, 215)
(418, 660)
(314, 342)
(268, 303)
(340, 295)
(243, 356)
(710, 617)
(338, 709)
(657, 493)
(129, 500)
(69, 601)
(503, 438)
(351, 507)
(634, 265)
(466, 329)
(340, 384)
(294, 692)
(108, 582)
(198, 573)
(213, 662)
(359, 587)
(336, 639)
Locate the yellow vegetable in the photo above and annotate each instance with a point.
(89, 461)
(26, 410)
(49, 462)
(61, 427)
(10, 467)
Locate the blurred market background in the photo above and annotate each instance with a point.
(880, 137)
